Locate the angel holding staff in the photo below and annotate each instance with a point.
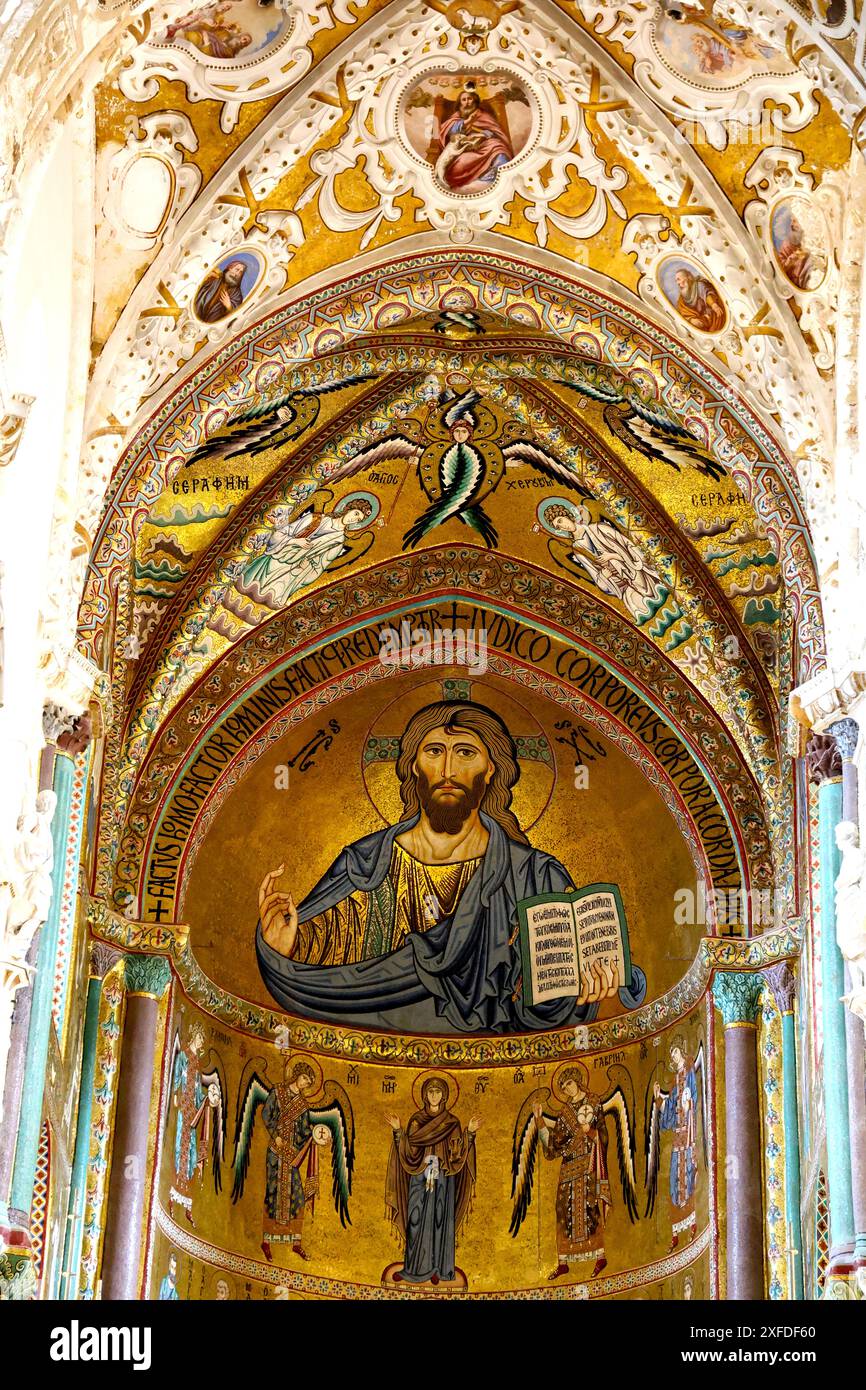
(577, 1137)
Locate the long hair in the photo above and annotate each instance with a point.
(452, 715)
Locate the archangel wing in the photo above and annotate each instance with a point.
(535, 456)
(524, 1153)
(275, 420)
(701, 1078)
(652, 1142)
(597, 388)
(393, 446)
(461, 409)
(656, 436)
(354, 548)
(335, 1112)
(616, 1106)
(169, 1090)
(249, 1099)
(215, 1076)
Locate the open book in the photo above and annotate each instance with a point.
(563, 935)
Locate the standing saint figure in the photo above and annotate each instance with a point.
(414, 926)
(577, 1138)
(168, 1283)
(676, 1111)
(297, 1130)
(429, 1185)
(198, 1092)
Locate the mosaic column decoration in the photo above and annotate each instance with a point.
(825, 769)
(738, 998)
(782, 982)
(846, 732)
(147, 978)
(102, 958)
(39, 1031)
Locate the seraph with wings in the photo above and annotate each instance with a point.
(576, 1133)
(271, 423)
(644, 425)
(198, 1091)
(325, 1119)
(461, 460)
(682, 1109)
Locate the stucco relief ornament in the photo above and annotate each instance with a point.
(708, 293)
(712, 64)
(148, 182)
(465, 139)
(33, 856)
(799, 226)
(229, 51)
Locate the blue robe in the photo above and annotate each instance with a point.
(460, 975)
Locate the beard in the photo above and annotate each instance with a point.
(447, 818)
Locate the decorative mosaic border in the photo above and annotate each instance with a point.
(111, 1006)
(772, 1081)
(395, 1049)
(322, 1286)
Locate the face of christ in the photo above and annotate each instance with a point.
(453, 770)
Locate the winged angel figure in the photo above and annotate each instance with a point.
(298, 1129)
(460, 463)
(681, 1111)
(577, 1135)
(198, 1094)
(642, 424)
(274, 421)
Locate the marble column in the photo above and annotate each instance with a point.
(39, 1030)
(825, 769)
(738, 997)
(782, 982)
(102, 959)
(146, 980)
(846, 732)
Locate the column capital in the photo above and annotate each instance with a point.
(846, 732)
(147, 975)
(737, 996)
(823, 758)
(782, 980)
(102, 959)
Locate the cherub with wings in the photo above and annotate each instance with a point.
(643, 424)
(198, 1094)
(677, 1110)
(297, 1131)
(576, 1135)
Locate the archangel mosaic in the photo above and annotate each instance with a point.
(434, 560)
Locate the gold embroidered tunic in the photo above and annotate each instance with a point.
(412, 898)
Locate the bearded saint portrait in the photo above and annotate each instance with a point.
(473, 145)
(414, 927)
(699, 302)
(220, 292)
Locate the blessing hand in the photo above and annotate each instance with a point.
(279, 916)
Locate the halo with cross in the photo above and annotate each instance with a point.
(533, 791)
